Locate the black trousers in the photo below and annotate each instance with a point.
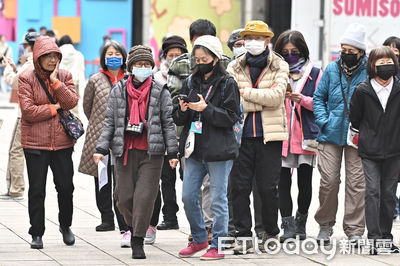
(38, 162)
(304, 184)
(258, 227)
(262, 161)
(105, 200)
(381, 179)
(168, 192)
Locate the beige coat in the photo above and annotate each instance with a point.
(268, 97)
(12, 78)
(95, 101)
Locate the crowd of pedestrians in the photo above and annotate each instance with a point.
(235, 126)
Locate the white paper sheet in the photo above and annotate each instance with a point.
(102, 172)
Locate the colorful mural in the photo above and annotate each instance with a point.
(175, 16)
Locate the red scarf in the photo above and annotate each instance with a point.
(138, 99)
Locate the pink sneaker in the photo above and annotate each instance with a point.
(193, 248)
(212, 254)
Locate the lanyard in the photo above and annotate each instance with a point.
(259, 77)
(208, 92)
(205, 99)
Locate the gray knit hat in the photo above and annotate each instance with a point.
(139, 53)
(354, 35)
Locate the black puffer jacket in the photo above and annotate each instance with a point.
(217, 141)
(161, 133)
(379, 129)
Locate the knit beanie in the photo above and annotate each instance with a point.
(354, 35)
(210, 42)
(139, 53)
(174, 41)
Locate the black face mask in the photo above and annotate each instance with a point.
(385, 71)
(349, 59)
(205, 68)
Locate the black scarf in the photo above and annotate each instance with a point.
(257, 64)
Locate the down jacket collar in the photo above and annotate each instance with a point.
(273, 61)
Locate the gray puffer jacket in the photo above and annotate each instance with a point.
(161, 133)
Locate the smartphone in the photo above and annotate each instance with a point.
(183, 97)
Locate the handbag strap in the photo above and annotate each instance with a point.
(44, 88)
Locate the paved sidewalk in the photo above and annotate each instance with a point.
(103, 248)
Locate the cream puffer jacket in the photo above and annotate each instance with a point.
(268, 97)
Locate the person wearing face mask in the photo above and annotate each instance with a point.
(139, 129)
(97, 91)
(331, 109)
(262, 76)
(208, 113)
(172, 47)
(236, 44)
(394, 43)
(374, 111)
(44, 139)
(179, 70)
(303, 79)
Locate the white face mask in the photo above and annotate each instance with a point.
(254, 47)
(239, 51)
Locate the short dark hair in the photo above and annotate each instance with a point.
(31, 30)
(392, 40)
(50, 33)
(43, 28)
(378, 53)
(202, 27)
(296, 38)
(65, 40)
(119, 47)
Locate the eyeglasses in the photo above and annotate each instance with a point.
(141, 65)
(51, 56)
(238, 45)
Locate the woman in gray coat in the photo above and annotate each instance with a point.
(138, 128)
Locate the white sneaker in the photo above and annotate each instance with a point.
(126, 240)
(150, 235)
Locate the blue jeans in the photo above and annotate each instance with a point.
(194, 173)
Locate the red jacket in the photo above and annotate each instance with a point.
(41, 128)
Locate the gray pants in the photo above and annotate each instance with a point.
(136, 188)
(381, 179)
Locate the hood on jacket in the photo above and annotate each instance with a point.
(69, 54)
(43, 45)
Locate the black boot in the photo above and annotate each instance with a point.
(137, 247)
(37, 242)
(289, 230)
(68, 236)
(301, 220)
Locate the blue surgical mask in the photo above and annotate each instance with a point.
(141, 74)
(239, 50)
(114, 62)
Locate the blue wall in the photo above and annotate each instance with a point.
(96, 17)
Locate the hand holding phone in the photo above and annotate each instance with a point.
(183, 97)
